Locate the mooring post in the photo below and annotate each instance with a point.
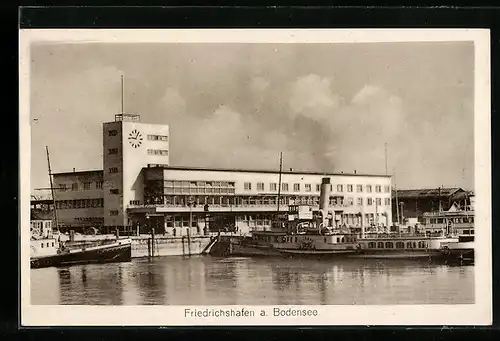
(152, 241)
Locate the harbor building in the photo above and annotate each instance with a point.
(413, 203)
(138, 189)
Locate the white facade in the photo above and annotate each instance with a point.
(136, 164)
(128, 145)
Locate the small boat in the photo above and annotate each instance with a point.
(461, 250)
(49, 251)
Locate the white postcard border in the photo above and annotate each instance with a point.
(479, 313)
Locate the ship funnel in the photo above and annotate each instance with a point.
(324, 200)
(324, 196)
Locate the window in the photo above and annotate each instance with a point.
(369, 201)
(62, 187)
(296, 187)
(273, 186)
(113, 212)
(112, 151)
(157, 138)
(349, 188)
(86, 185)
(387, 189)
(134, 202)
(260, 186)
(360, 201)
(114, 191)
(369, 188)
(308, 187)
(349, 201)
(112, 132)
(378, 188)
(284, 187)
(113, 170)
(359, 188)
(161, 152)
(98, 184)
(74, 187)
(379, 201)
(248, 186)
(318, 187)
(340, 188)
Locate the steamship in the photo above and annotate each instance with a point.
(304, 233)
(47, 249)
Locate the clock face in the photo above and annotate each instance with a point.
(135, 138)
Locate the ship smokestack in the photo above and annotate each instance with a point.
(324, 200)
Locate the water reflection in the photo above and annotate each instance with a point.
(208, 281)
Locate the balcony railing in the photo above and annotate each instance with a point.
(230, 208)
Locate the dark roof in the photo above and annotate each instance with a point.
(100, 171)
(430, 192)
(42, 201)
(269, 171)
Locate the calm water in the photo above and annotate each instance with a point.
(216, 281)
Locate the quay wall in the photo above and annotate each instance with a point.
(146, 246)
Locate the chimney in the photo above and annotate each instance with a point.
(324, 198)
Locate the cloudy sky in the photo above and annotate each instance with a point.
(327, 107)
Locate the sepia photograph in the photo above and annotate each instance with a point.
(253, 177)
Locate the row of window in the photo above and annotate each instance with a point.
(161, 152)
(170, 183)
(273, 187)
(90, 219)
(86, 186)
(158, 138)
(151, 137)
(182, 200)
(399, 245)
(459, 220)
(80, 203)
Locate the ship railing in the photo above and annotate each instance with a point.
(401, 235)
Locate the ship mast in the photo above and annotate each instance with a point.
(279, 184)
(52, 189)
(396, 194)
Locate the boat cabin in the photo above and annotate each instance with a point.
(43, 247)
(453, 222)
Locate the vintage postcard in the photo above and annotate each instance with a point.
(255, 177)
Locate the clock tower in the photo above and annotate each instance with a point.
(128, 147)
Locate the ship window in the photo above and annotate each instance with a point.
(400, 245)
(342, 240)
(41, 245)
(466, 231)
(47, 244)
(408, 245)
(471, 231)
(52, 243)
(372, 245)
(380, 245)
(414, 245)
(389, 245)
(325, 239)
